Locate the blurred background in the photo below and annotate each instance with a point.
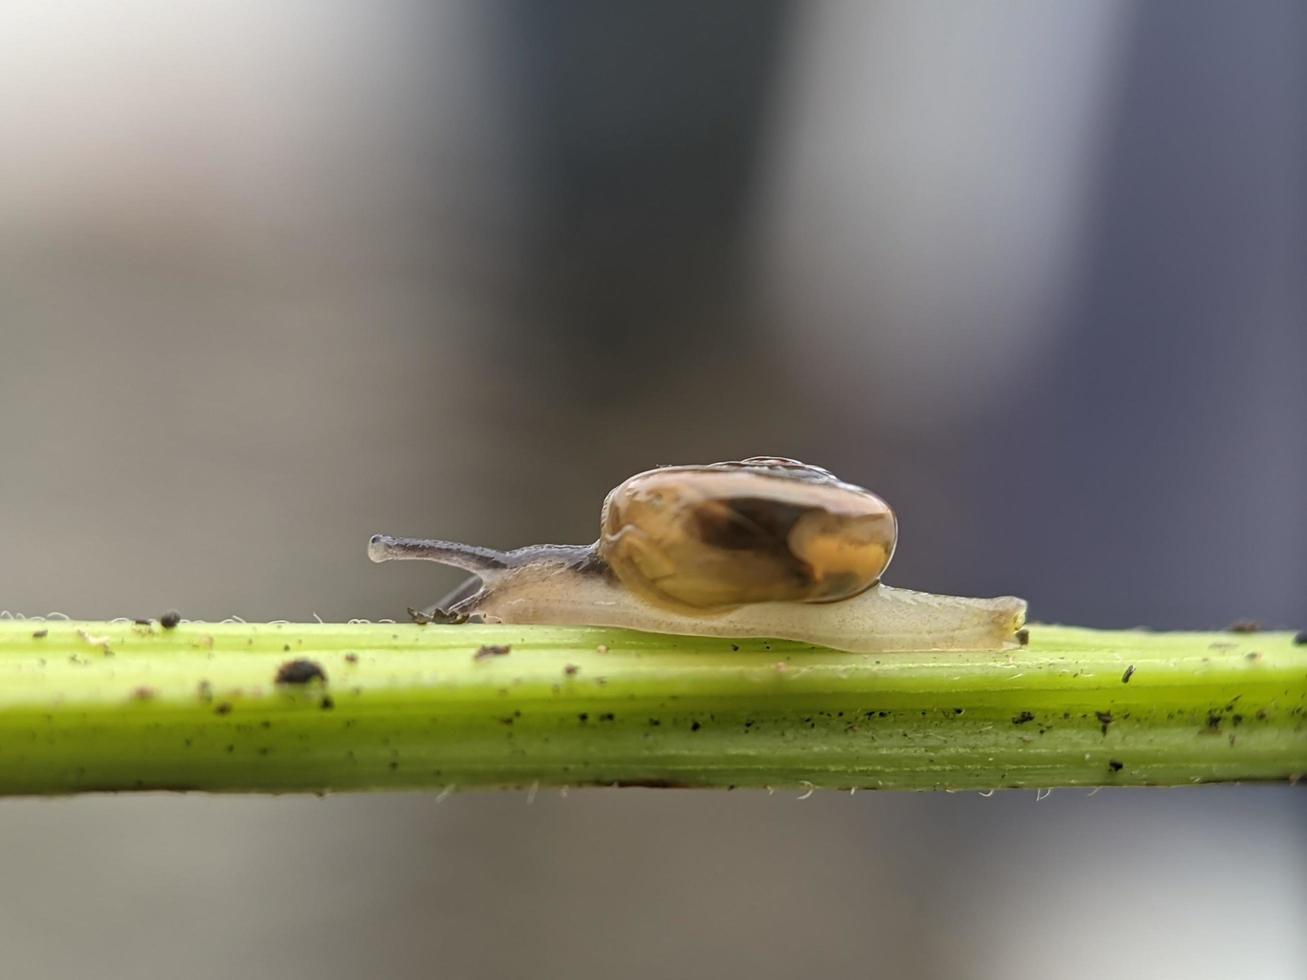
(276, 276)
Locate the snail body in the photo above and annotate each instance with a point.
(763, 547)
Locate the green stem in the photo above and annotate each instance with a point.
(117, 706)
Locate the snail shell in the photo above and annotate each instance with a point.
(766, 547)
(761, 530)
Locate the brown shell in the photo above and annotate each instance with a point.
(764, 529)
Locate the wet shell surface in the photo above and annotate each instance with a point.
(761, 530)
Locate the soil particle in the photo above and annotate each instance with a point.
(299, 671)
(440, 617)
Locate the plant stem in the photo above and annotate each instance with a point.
(117, 706)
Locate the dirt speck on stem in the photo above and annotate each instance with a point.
(300, 671)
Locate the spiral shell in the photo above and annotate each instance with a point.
(764, 529)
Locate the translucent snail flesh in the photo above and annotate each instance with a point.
(764, 547)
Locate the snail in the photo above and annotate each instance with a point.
(763, 547)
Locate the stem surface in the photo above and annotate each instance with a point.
(88, 706)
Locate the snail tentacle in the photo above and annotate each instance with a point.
(470, 558)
